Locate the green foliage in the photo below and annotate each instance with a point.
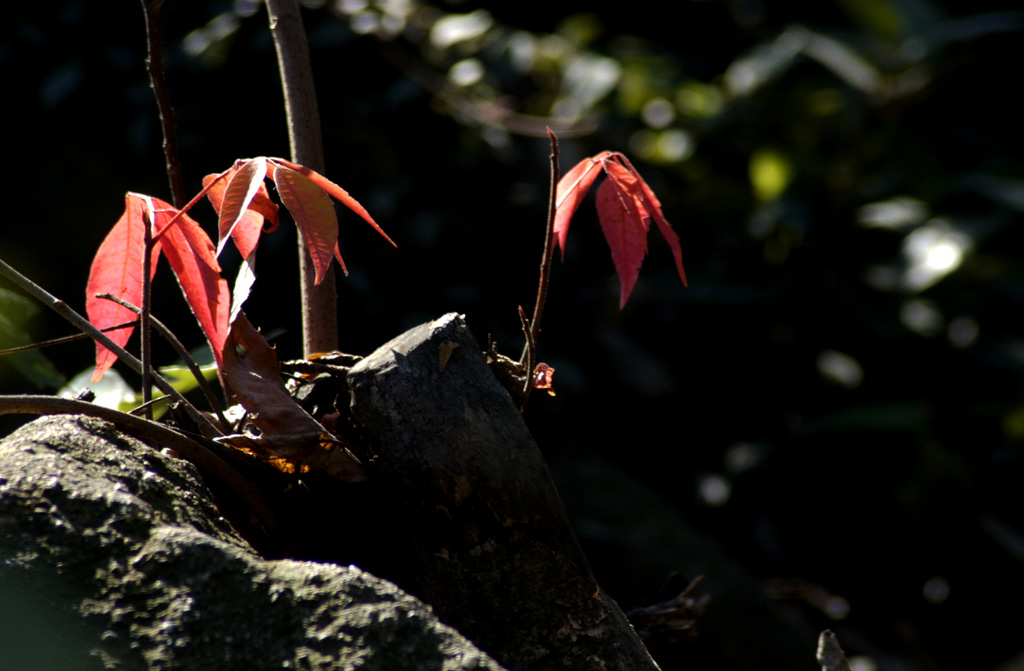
(15, 313)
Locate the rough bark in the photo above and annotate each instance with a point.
(319, 301)
(495, 554)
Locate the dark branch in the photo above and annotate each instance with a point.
(545, 264)
(155, 68)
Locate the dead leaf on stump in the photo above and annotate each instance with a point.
(289, 439)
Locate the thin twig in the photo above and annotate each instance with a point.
(147, 407)
(155, 68)
(188, 206)
(83, 324)
(319, 302)
(62, 340)
(145, 332)
(530, 355)
(197, 450)
(193, 367)
(549, 249)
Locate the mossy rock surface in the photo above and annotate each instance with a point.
(113, 555)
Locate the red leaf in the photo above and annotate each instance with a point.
(190, 254)
(117, 269)
(242, 187)
(335, 191)
(625, 227)
(314, 215)
(337, 255)
(571, 189)
(243, 223)
(653, 207)
(625, 206)
(244, 281)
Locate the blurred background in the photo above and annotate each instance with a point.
(828, 424)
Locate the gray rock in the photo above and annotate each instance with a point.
(113, 555)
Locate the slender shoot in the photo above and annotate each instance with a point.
(528, 363)
(155, 68)
(145, 333)
(545, 263)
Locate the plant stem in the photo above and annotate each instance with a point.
(62, 340)
(528, 363)
(545, 263)
(145, 333)
(188, 206)
(318, 302)
(155, 68)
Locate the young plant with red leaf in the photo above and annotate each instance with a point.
(243, 203)
(291, 439)
(625, 207)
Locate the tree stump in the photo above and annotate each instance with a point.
(493, 551)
